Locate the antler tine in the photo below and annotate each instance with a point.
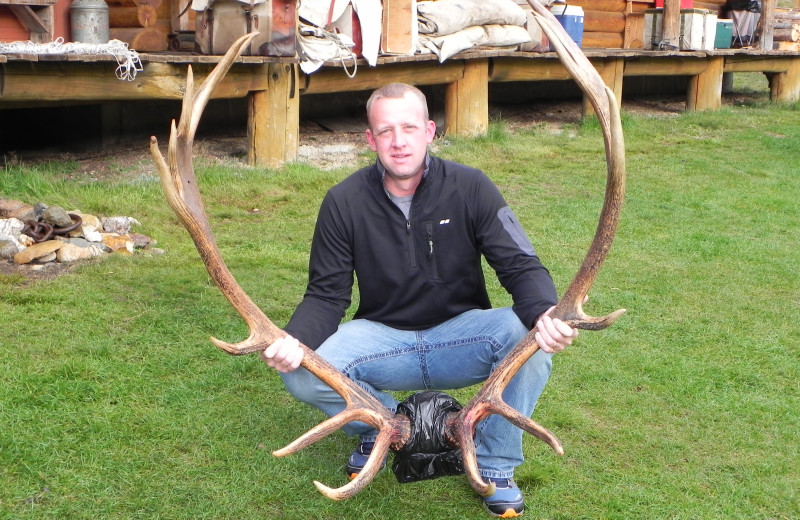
(489, 400)
(183, 195)
(570, 307)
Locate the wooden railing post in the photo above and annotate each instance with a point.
(671, 38)
(467, 100)
(273, 118)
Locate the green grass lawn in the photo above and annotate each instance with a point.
(114, 404)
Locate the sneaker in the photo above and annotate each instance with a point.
(506, 502)
(358, 459)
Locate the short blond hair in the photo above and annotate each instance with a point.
(397, 91)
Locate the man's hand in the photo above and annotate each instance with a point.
(552, 335)
(284, 355)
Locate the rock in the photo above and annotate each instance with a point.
(88, 219)
(16, 209)
(39, 210)
(118, 243)
(140, 241)
(57, 217)
(8, 249)
(72, 252)
(38, 250)
(91, 234)
(46, 259)
(121, 225)
(11, 227)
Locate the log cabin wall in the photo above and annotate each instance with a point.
(616, 24)
(149, 25)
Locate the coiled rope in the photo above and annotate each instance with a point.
(128, 62)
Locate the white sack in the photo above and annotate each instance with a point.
(486, 35)
(444, 17)
(370, 14)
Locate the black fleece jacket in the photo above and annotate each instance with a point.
(416, 273)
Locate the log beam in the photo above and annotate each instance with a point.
(467, 101)
(705, 89)
(273, 119)
(612, 72)
(785, 86)
(672, 25)
(82, 82)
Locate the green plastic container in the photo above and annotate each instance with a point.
(724, 35)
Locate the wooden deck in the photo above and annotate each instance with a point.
(275, 86)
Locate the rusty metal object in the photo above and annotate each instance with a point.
(76, 222)
(38, 231)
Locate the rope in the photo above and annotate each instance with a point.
(316, 44)
(128, 63)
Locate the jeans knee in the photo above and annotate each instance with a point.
(302, 385)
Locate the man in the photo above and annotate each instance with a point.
(412, 229)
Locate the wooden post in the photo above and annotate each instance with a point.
(611, 71)
(767, 23)
(705, 89)
(671, 39)
(466, 109)
(785, 86)
(273, 119)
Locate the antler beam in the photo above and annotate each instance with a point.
(182, 193)
(461, 425)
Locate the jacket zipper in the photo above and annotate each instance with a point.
(431, 256)
(412, 254)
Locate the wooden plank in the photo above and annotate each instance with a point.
(785, 86)
(673, 66)
(29, 18)
(467, 101)
(705, 89)
(39, 3)
(521, 69)
(744, 63)
(67, 81)
(37, 19)
(634, 31)
(603, 21)
(399, 17)
(273, 122)
(601, 5)
(766, 22)
(329, 80)
(603, 40)
(672, 25)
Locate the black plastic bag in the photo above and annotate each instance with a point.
(427, 455)
(739, 5)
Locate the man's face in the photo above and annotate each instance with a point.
(400, 134)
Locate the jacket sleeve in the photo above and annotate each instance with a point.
(330, 279)
(508, 250)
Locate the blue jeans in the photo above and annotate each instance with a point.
(458, 353)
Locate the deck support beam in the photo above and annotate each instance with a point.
(273, 87)
(467, 101)
(273, 118)
(705, 89)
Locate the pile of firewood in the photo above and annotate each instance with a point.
(786, 31)
(148, 25)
